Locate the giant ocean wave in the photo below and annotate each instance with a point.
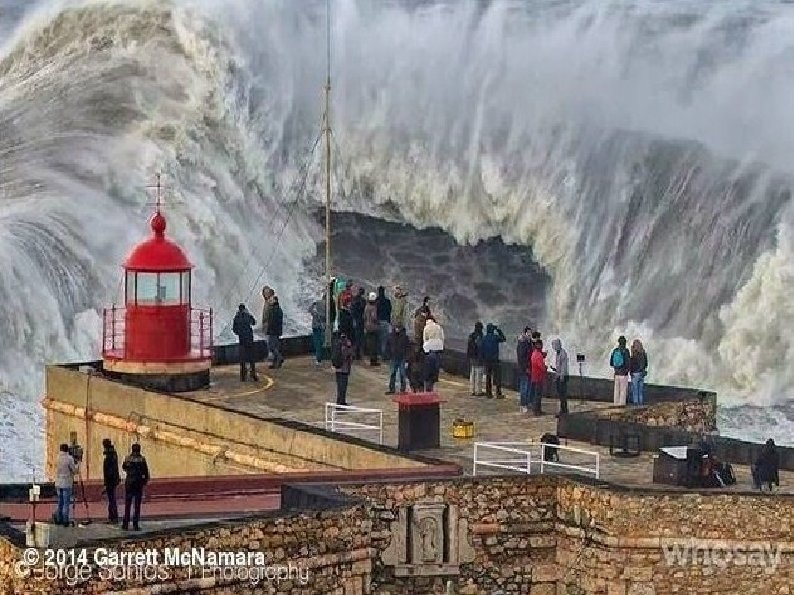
(641, 151)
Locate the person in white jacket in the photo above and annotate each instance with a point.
(433, 345)
(65, 470)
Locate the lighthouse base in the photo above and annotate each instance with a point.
(175, 377)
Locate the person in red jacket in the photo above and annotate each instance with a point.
(537, 365)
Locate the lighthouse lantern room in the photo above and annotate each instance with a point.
(157, 339)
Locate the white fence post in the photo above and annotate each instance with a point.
(346, 425)
(517, 456)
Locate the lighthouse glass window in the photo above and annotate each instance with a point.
(161, 289)
(168, 289)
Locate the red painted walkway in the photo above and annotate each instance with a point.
(214, 497)
(198, 506)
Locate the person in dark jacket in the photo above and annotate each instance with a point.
(371, 328)
(329, 295)
(420, 319)
(319, 316)
(490, 357)
(383, 307)
(523, 349)
(275, 328)
(111, 478)
(345, 345)
(561, 373)
(766, 467)
(638, 368)
(397, 347)
(620, 362)
(357, 312)
(136, 479)
(416, 368)
(346, 324)
(243, 327)
(476, 370)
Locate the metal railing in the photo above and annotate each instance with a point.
(519, 457)
(348, 425)
(519, 452)
(596, 471)
(200, 329)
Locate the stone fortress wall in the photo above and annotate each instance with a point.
(542, 535)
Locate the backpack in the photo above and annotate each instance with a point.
(617, 358)
(337, 359)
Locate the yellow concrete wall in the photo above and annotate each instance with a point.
(186, 419)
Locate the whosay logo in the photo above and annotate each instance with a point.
(692, 552)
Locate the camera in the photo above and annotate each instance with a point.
(580, 357)
(75, 450)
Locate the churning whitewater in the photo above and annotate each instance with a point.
(639, 152)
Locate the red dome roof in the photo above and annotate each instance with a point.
(157, 254)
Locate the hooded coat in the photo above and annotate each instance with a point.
(490, 343)
(383, 305)
(398, 310)
(371, 317)
(137, 472)
(767, 465)
(110, 468)
(523, 349)
(242, 327)
(474, 345)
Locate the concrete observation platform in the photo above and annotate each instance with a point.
(179, 498)
(299, 390)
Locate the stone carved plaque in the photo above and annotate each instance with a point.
(428, 540)
(427, 533)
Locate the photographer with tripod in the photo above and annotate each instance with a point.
(65, 470)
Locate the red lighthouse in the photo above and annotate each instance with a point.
(158, 340)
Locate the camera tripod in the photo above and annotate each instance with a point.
(87, 520)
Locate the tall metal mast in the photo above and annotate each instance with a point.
(327, 121)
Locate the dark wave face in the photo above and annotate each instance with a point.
(489, 282)
(604, 167)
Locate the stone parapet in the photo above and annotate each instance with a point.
(697, 415)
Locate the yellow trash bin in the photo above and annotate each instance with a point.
(462, 429)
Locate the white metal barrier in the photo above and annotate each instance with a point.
(517, 456)
(520, 456)
(557, 448)
(353, 420)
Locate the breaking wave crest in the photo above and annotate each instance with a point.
(642, 150)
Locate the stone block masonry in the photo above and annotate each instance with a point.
(510, 530)
(329, 549)
(539, 535)
(550, 535)
(692, 416)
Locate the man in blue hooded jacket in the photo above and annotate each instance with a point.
(490, 357)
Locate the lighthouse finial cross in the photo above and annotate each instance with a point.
(158, 188)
